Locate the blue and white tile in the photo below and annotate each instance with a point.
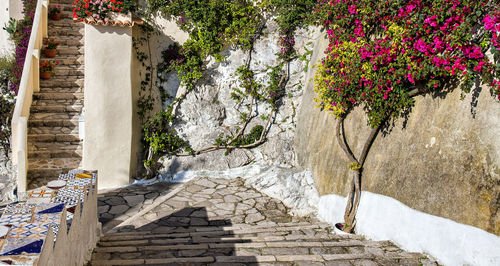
(20, 246)
(15, 219)
(49, 208)
(19, 208)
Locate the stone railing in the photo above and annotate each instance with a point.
(55, 226)
(30, 82)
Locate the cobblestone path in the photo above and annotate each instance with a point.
(222, 222)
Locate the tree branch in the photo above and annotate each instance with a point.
(368, 143)
(342, 141)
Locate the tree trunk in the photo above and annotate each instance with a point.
(357, 166)
(152, 167)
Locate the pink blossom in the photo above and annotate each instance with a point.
(410, 78)
(352, 9)
(421, 46)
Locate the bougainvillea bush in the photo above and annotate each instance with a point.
(100, 9)
(21, 39)
(11, 70)
(382, 52)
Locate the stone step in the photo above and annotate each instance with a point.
(232, 239)
(57, 96)
(69, 70)
(66, 23)
(249, 251)
(56, 163)
(63, 31)
(53, 102)
(68, 40)
(54, 116)
(62, 108)
(222, 230)
(216, 234)
(52, 153)
(53, 122)
(72, 90)
(53, 130)
(55, 147)
(237, 227)
(243, 257)
(63, 50)
(67, 14)
(66, 61)
(37, 138)
(58, 81)
(51, 167)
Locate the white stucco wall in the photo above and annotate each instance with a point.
(6, 46)
(109, 105)
(15, 8)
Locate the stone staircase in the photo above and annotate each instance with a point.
(54, 146)
(223, 222)
(240, 244)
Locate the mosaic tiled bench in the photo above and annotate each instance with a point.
(35, 232)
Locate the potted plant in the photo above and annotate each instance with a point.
(55, 12)
(51, 49)
(46, 68)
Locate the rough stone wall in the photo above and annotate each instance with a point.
(445, 162)
(7, 178)
(209, 109)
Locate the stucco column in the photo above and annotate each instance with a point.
(111, 130)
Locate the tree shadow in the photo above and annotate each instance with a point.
(191, 237)
(476, 91)
(449, 85)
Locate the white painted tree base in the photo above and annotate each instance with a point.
(383, 218)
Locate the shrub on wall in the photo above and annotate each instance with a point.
(381, 54)
(11, 70)
(6, 102)
(215, 25)
(21, 38)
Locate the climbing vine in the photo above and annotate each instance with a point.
(214, 26)
(382, 54)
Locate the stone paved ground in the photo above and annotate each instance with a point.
(222, 222)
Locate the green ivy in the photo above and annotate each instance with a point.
(214, 25)
(245, 139)
(162, 137)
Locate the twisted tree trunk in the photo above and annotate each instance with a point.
(357, 166)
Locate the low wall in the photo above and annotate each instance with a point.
(6, 46)
(445, 162)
